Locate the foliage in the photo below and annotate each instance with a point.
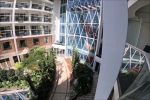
(17, 65)
(75, 57)
(19, 73)
(35, 54)
(84, 76)
(41, 68)
(73, 94)
(11, 75)
(3, 75)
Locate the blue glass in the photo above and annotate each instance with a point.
(76, 40)
(69, 5)
(62, 39)
(75, 19)
(62, 29)
(63, 18)
(81, 43)
(69, 20)
(69, 52)
(95, 29)
(77, 31)
(96, 19)
(70, 40)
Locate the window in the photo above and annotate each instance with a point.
(36, 41)
(15, 59)
(22, 43)
(46, 39)
(6, 46)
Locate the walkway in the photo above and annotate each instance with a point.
(61, 85)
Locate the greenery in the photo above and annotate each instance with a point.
(40, 67)
(75, 57)
(9, 79)
(82, 77)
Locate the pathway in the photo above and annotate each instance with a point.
(61, 85)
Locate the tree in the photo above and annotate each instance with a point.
(35, 54)
(75, 57)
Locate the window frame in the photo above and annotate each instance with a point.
(38, 41)
(25, 45)
(9, 45)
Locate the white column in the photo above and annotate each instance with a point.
(43, 6)
(115, 22)
(29, 29)
(13, 28)
(29, 17)
(30, 5)
(11, 61)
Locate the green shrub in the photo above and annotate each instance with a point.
(3, 75)
(73, 94)
(11, 75)
(19, 73)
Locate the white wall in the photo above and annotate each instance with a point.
(144, 38)
(133, 32)
(115, 23)
(56, 19)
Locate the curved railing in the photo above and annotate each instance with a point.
(133, 76)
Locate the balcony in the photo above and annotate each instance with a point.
(47, 31)
(37, 6)
(48, 8)
(6, 34)
(47, 19)
(21, 18)
(5, 4)
(36, 18)
(5, 18)
(22, 32)
(22, 5)
(36, 32)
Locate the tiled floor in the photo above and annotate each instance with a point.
(61, 85)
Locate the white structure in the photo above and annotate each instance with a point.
(126, 78)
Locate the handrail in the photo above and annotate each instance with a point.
(135, 48)
(147, 56)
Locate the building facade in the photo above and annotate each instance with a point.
(23, 24)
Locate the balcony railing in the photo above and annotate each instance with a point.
(21, 18)
(133, 73)
(6, 18)
(22, 5)
(36, 18)
(6, 34)
(22, 32)
(36, 6)
(47, 19)
(36, 32)
(47, 31)
(48, 8)
(6, 4)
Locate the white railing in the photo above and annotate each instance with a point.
(6, 34)
(24, 32)
(5, 18)
(4, 4)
